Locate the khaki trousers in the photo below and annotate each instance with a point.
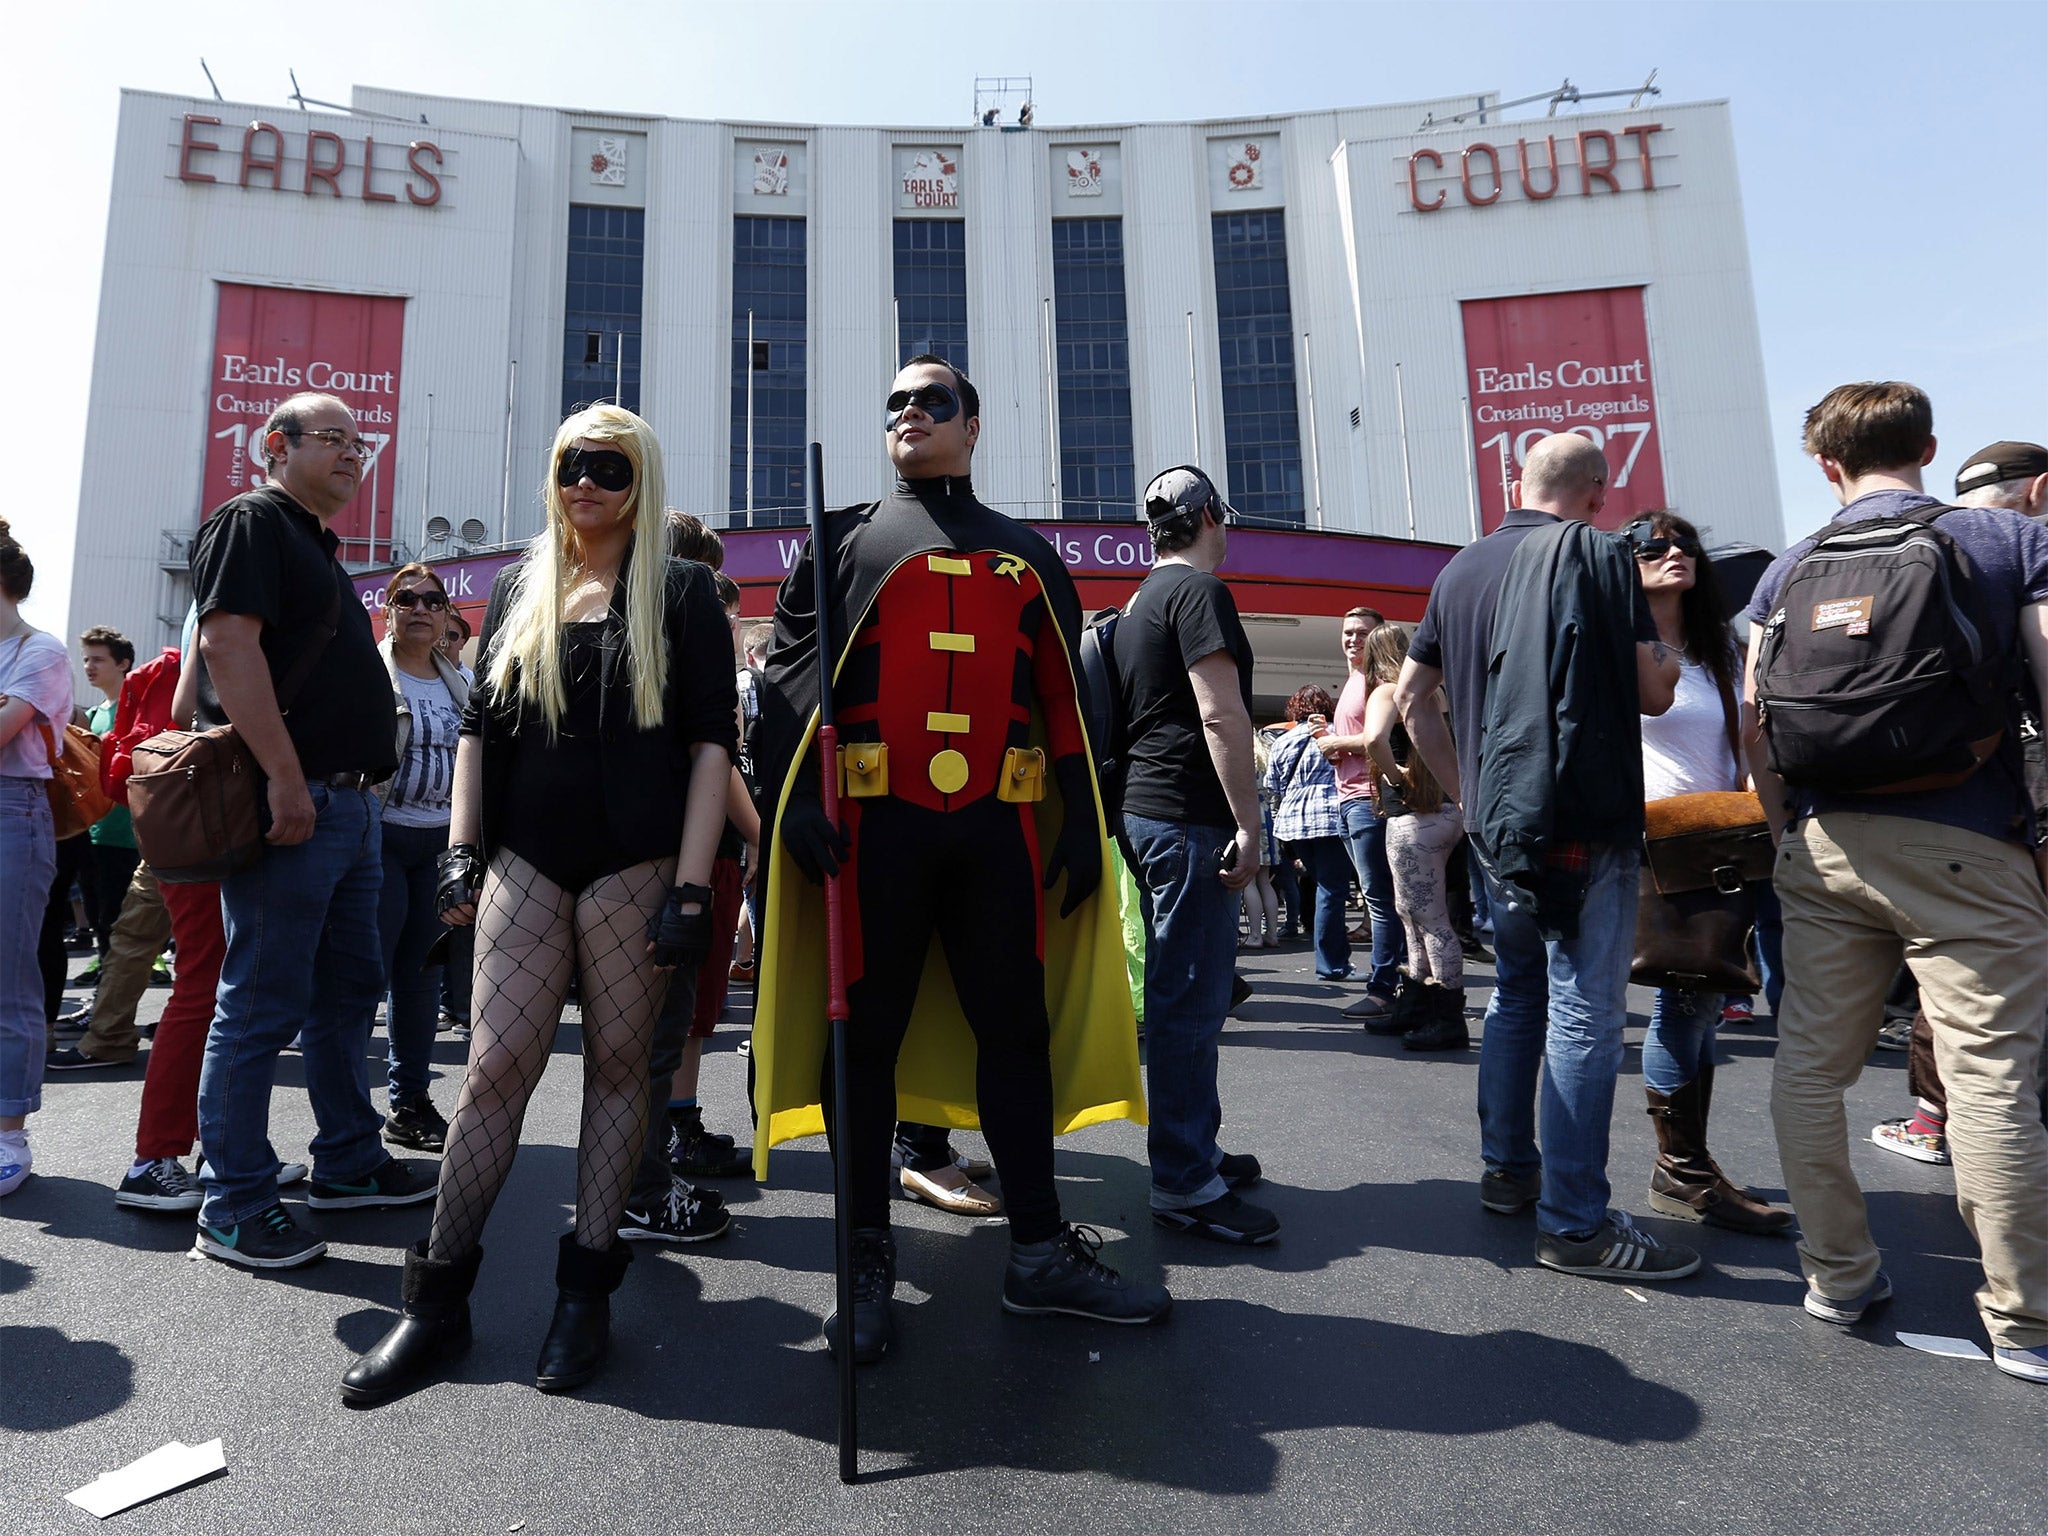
(1967, 914)
(139, 936)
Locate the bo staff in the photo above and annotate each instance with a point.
(835, 970)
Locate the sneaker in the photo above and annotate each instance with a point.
(72, 1059)
(1850, 1311)
(1900, 1137)
(1620, 1250)
(697, 1153)
(73, 1021)
(2027, 1364)
(270, 1240)
(16, 1160)
(160, 975)
(1344, 975)
(89, 976)
(1895, 1035)
(1738, 1010)
(686, 1214)
(1226, 1219)
(391, 1183)
(163, 1186)
(77, 941)
(1240, 1170)
(1065, 1275)
(288, 1174)
(1509, 1194)
(417, 1124)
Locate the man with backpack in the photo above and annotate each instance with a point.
(1883, 703)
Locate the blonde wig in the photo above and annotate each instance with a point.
(527, 655)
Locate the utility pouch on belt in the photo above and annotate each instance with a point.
(864, 770)
(1023, 775)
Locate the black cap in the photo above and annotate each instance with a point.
(2001, 461)
(1183, 491)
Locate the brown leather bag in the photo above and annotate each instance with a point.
(1702, 852)
(76, 799)
(198, 796)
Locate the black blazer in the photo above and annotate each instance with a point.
(646, 773)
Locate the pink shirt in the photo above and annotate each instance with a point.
(1354, 769)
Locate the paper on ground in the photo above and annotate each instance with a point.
(167, 1467)
(1948, 1349)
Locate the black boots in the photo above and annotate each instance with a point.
(1687, 1182)
(578, 1337)
(434, 1325)
(1406, 1011)
(874, 1283)
(1439, 1020)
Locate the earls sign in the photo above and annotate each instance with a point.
(1593, 161)
(281, 161)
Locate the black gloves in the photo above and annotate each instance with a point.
(461, 867)
(816, 846)
(679, 937)
(1079, 848)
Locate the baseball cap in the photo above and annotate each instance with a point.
(1183, 491)
(2001, 461)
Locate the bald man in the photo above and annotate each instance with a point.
(1557, 1002)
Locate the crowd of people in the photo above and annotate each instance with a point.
(618, 802)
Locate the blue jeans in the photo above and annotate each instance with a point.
(1681, 1037)
(302, 959)
(1557, 1009)
(1190, 945)
(1328, 865)
(1365, 834)
(1770, 943)
(407, 928)
(28, 866)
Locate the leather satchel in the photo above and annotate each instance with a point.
(76, 799)
(1695, 913)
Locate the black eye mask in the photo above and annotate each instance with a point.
(608, 469)
(936, 401)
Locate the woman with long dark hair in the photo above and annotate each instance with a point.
(1693, 747)
(590, 784)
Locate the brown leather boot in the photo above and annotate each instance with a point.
(1687, 1183)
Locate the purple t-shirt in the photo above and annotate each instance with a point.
(2010, 553)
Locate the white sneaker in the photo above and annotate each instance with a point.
(16, 1160)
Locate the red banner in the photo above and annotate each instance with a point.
(269, 343)
(1563, 362)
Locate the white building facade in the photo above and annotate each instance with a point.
(1355, 320)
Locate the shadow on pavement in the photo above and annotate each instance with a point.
(54, 1381)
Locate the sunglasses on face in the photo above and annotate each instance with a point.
(605, 468)
(937, 402)
(408, 599)
(1658, 548)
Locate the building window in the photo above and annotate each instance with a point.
(768, 279)
(931, 290)
(1092, 359)
(1255, 341)
(601, 305)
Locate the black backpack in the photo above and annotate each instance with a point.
(1875, 673)
(1102, 706)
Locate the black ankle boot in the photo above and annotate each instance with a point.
(578, 1337)
(434, 1325)
(874, 1283)
(1439, 1021)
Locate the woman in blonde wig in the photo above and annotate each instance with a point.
(590, 785)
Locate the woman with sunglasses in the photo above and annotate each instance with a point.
(429, 694)
(1691, 748)
(590, 784)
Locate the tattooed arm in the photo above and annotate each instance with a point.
(1656, 675)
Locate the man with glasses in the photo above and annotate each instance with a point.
(1560, 994)
(287, 656)
(968, 795)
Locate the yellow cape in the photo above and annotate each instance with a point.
(1095, 1072)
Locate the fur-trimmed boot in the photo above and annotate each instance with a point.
(1440, 1022)
(433, 1325)
(581, 1332)
(1687, 1182)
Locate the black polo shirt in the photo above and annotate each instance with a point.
(264, 555)
(1456, 633)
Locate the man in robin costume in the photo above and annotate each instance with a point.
(967, 794)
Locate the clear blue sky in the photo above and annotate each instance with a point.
(1892, 155)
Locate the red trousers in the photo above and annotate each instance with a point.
(169, 1123)
(715, 974)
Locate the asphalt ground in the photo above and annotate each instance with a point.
(1394, 1363)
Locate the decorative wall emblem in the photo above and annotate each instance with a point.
(932, 180)
(1244, 170)
(771, 172)
(1084, 173)
(608, 163)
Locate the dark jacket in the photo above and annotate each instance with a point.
(646, 773)
(1561, 752)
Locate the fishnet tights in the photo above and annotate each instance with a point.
(529, 932)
